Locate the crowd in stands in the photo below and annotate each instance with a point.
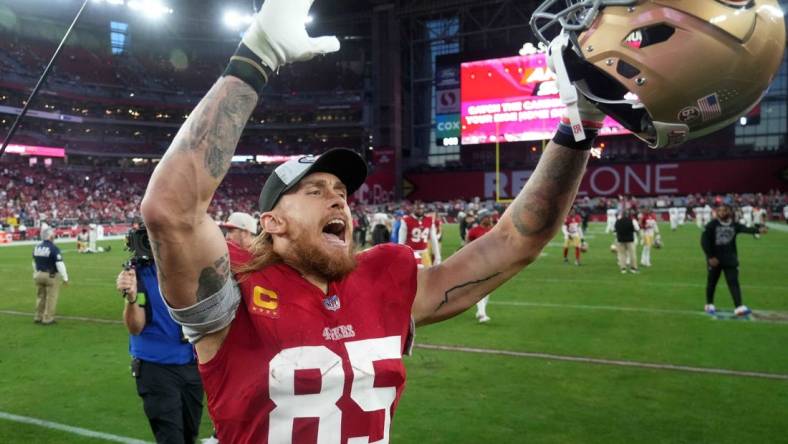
(61, 195)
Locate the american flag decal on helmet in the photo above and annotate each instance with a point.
(709, 107)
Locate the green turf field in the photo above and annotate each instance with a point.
(76, 372)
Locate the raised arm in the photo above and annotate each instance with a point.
(529, 223)
(190, 252)
(188, 246)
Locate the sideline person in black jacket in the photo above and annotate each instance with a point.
(719, 244)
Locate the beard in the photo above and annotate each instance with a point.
(312, 258)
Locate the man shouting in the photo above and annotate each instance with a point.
(298, 337)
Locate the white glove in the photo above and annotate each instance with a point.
(278, 34)
(579, 111)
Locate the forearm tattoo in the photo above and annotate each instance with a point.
(213, 278)
(215, 126)
(549, 193)
(447, 294)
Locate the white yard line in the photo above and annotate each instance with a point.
(70, 318)
(777, 226)
(614, 362)
(70, 429)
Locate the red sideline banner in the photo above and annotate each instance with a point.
(379, 186)
(636, 179)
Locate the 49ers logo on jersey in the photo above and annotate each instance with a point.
(265, 302)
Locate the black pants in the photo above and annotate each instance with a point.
(172, 398)
(380, 235)
(360, 237)
(731, 276)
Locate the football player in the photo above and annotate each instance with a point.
(484, 226)
(300, 339)
(573, 235)
(418, 232)
(747, 215)
(759, 216)
(698, 212)
(673, 212)
(650, 231)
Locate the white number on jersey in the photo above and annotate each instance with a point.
(419, 234)
(289, 406)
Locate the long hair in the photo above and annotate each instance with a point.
(263, 255)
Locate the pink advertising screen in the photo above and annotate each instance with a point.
(512, 99)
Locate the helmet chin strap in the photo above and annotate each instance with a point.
(566, 88)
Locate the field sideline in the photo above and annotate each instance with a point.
(572, 354)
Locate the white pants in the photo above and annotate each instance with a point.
(481, 307)
(611, 225)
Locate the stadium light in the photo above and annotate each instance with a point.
(743, 121)
(148, 8)
(235, 20)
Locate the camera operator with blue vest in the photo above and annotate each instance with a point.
(163, 362)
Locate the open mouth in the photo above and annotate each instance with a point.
(334, 231)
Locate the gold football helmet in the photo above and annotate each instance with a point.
(668, 70)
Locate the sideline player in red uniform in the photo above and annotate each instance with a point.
(300, 339)
(418, 232)
(573, 235)
(484, 227)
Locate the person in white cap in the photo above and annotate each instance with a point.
(240, 229)
(301, 339)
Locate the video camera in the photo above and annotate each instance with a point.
(138, 243)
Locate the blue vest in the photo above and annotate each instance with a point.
(46, 254)
(395, 231)
(161, 339)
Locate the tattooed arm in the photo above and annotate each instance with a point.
(188, 247)
(529, 223)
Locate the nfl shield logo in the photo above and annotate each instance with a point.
(331, 303)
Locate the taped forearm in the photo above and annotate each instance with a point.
(211, 314)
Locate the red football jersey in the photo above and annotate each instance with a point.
(573, 224)
(476, 232)
(418, 232)
(301, 366)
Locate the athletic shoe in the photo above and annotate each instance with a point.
(483, 319)
(577, 263)
(566, 261)
(742, 310)
(710, 309)
(634, 270)
(623, 271)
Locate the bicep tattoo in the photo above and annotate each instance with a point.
(213, 278)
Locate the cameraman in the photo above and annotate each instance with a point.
(163, 362)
